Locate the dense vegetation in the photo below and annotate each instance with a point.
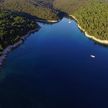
(40, 8)
(92, 15)
(69, 6)
(12, 27)
(94, 19)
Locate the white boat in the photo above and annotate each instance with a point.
(92, 56)
(69, 21)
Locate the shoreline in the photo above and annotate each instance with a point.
(52, 21)
(9, 48)
(47, 21)
(104, 42)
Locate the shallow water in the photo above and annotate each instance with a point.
(53, 68)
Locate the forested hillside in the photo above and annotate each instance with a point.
(69, 6)
(13, 27)
(94, 19)
(92, 15)
(39, 8)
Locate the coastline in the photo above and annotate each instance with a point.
(104, 42)
(47, 21)
(8, 49)
(52, 21)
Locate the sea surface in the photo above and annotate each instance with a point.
(54, 68)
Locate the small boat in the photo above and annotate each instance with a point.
(92, 56)
(69, 21)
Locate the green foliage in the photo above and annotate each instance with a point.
(31, 7)
(69, 6)
(12, 27)
(92, 15)
(94, 18)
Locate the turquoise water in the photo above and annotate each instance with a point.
(53, 69)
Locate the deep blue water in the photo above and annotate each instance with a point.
(53, 69)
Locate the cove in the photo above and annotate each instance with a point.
(53, 69)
